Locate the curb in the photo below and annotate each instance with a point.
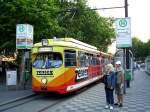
(17, 99)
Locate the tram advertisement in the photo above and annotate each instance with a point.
(81, 73)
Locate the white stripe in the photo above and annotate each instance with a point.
(72, 87)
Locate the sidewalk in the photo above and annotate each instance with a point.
(136, 99)
(13, 95)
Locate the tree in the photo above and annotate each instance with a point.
(86, 25)
(41, 14)
(140, 49)
(53, 18)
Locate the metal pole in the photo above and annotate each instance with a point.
(124, 67)
(125, 50)
(126, 8)
(132, 64)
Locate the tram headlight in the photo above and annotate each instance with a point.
(44, 81)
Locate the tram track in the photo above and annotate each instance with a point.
(40, 103)
(70, 96)
(50, 100)
(17, 99)
(53, 104)
(17, 102)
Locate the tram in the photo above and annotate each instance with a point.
(64, 65)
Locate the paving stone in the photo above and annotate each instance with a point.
(136, 99)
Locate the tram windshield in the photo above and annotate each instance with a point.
(48, 60)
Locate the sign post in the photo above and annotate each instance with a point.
(24, 42)
(123, 39)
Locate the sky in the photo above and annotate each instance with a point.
(138, 10)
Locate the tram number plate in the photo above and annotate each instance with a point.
(44, 88)
(44, 72)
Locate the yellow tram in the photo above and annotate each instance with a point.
(64, 65)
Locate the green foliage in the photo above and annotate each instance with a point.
(54, 18)
(140, 49)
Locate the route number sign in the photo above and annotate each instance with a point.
(24, 36)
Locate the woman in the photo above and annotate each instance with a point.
(109, 82)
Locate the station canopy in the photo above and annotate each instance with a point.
(7, 58)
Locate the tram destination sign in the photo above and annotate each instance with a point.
(123, 32)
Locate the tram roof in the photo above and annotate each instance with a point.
(106, 54)
(69, 42)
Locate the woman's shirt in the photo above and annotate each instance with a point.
(110, 80)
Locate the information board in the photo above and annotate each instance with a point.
(11, 77)
(123, 33)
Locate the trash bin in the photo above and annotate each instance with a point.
(128, 74)
(128, 77)
(25, 78)
(26, 75)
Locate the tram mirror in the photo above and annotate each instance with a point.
(44, 42)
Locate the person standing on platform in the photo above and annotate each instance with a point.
(109, 82)
(119, 83)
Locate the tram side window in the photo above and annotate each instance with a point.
(70, 58)
(102, 61)
(84, 59)
(94, 61)
(90, 60)
(97, 61)
(106, 61)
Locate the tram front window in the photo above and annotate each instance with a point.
(48, 60)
